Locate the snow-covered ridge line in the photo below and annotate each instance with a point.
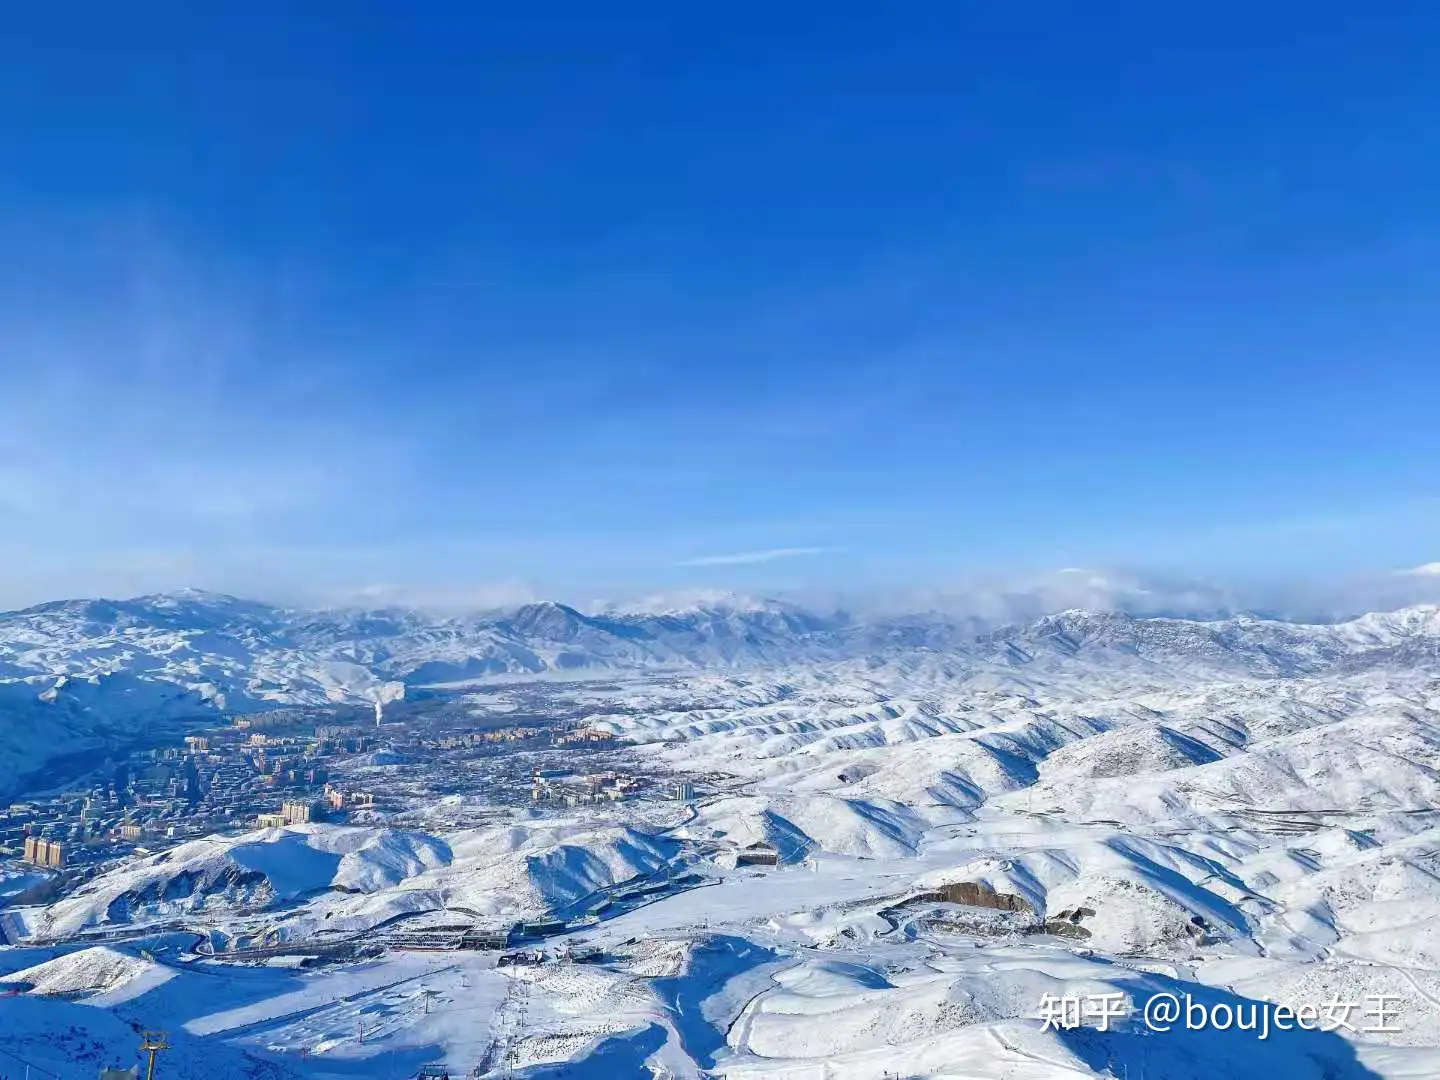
(72, 672)
(238, 655)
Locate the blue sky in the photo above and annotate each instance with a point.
(313, 301)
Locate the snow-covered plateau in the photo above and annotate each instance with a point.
(969, 827)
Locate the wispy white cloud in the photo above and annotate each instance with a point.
(437, 598)
(173, 412)
(1428, 570)
(999, 598)
(747, 558)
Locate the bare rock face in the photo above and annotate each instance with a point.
(977, 894)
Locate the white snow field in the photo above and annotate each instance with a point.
(1244, 814)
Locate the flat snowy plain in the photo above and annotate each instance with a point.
(1241, 812)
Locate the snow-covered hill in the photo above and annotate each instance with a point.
(345, 879)
(254, 870)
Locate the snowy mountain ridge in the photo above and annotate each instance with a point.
(82, 671)
(100, 636)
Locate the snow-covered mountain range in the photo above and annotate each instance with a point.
(965, 817)
(75, 672)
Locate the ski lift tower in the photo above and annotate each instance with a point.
(152, 1043)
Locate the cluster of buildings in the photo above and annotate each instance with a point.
(291, 813)
(555, 786)
(586, 736)
(558, 785)
(41, 852)
(208, 782)
(304, 811)
(471, 739)
(336, 799)
(292, 716)
(518, 736)
(311, 764)
(331, 740)
(139, 800)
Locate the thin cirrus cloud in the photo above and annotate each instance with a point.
(748, 558)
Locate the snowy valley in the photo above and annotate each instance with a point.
(868, 847)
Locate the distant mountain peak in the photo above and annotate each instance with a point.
(189, 595)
